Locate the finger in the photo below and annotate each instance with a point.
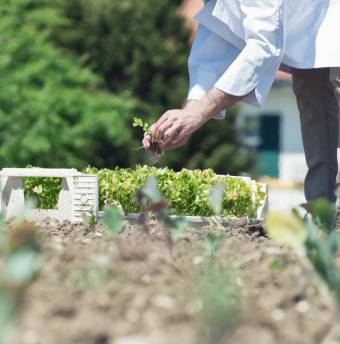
(147, 146)
(172, 134)
(176, 144)
(161, 120)
(159, 133)
(152, 128)
(146, 143)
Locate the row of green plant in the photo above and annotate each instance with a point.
(187, 190)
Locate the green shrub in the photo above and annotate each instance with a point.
(187, 190)
(44, 190)
(53, 110)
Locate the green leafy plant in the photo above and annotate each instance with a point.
(138, 122)
(190, 192)
(187, 191)
(44, 190)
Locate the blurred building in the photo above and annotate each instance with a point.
(274, 130)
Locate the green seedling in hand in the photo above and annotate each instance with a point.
(154, 145)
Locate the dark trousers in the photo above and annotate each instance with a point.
(318, 95)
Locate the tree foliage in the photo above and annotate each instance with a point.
(52, 109)
(74, 73)
(140, 46)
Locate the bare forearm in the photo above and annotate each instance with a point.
(212, 103)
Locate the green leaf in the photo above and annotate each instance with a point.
(287, 230)
(113, 221)
(277, 264)
(22, 266)
(325, 214)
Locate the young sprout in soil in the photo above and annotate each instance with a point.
(20, 262)
(92, 275)
(113, 221)
(220, 298)
(152, 203)
(90, 219)
(277, 264)
(154, 145)
(215, 235)
(212, 243)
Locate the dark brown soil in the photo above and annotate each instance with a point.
(94, 290)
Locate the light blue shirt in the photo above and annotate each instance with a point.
(241, 44)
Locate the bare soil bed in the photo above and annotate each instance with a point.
(94, 290)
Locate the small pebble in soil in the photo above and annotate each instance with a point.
(132, 340)
(146, 279)
(278, 314)
(164, 301)
(302, 306)
(197, 260)
(101, 259)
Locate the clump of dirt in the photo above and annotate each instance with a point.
(131, 290)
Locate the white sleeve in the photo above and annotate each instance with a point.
(256, 65)
(210, 56)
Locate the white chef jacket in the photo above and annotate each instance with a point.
(241, 44)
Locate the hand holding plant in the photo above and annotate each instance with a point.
(175, 127)
(149, 142)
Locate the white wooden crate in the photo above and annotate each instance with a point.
(79, 194)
